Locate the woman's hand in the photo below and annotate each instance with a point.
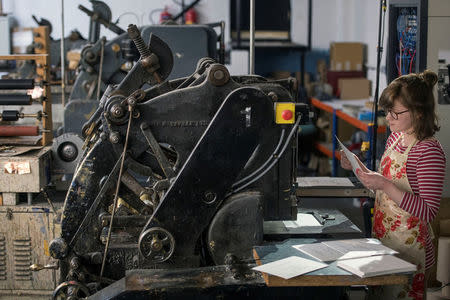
(372, 180)
(345, 163)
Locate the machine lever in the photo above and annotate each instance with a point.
(38, 267)
(160, 156)
(95, 16)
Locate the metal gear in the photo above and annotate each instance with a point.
(70, 290)
(156, 244)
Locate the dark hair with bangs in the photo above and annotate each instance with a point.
(415, 92)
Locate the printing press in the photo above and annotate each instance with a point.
(179, 175)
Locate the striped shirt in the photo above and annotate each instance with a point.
(425, 168)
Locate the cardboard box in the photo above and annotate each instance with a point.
(346, 56)
(354, 88)
(334, 76)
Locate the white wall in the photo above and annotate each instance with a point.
(339, 21)
(135, 11)
(333, 20)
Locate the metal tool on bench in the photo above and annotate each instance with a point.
(203, 160)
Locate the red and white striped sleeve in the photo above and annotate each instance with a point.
(391, 139)
(430, 181)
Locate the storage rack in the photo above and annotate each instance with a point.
(42, 61)
(333, 153)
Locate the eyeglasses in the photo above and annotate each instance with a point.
(394, 114)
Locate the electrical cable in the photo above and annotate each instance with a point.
(116, 195)
(440, 288)
(274, 154)
(138, 21)
(412, 61)
(293, 130)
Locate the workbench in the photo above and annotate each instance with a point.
(335, 224)
(239, 281)
(343, 191)
(324, 191)
(329, 276)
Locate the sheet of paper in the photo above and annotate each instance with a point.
(302, 221)
(359, 254)
(290, 267)
(376, 265)
(351, 157)
(324, 181)
(346, 246)
(319, 251)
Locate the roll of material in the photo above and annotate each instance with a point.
(15, 99)
(19, 130)
(443, 260)
(10, 115)
(16, 84)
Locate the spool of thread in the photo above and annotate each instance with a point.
(15, 99)
(16, 84)
(443, 264)
(6, 130)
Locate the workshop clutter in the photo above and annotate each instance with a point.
(333, 78)
(347, 73)
(347, 56)
(354, 88)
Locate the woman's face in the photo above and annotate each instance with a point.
(399, 118)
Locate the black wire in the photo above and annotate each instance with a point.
(440, 288)
(273, 155)
(294, 129)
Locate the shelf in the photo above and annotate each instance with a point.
(356, 191)
(326, 149)
(335, 108)
(245, 44)
(347, 118)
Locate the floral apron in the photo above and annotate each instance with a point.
(398, 229)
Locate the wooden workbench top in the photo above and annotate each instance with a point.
(329, 276)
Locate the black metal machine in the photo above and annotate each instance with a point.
(108, 62)
(179, 175)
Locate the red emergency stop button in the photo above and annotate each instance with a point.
(286, 114)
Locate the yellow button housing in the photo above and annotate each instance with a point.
(285, 113)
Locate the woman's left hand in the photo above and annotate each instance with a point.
(372, 180)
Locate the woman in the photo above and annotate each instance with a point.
(410, 181)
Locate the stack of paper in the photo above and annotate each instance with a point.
(344, 249)
(376, 265)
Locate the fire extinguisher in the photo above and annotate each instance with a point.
(190, 16)
(164, 16)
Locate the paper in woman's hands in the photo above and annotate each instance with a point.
(351, 157)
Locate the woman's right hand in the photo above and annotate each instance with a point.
(345, 163)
